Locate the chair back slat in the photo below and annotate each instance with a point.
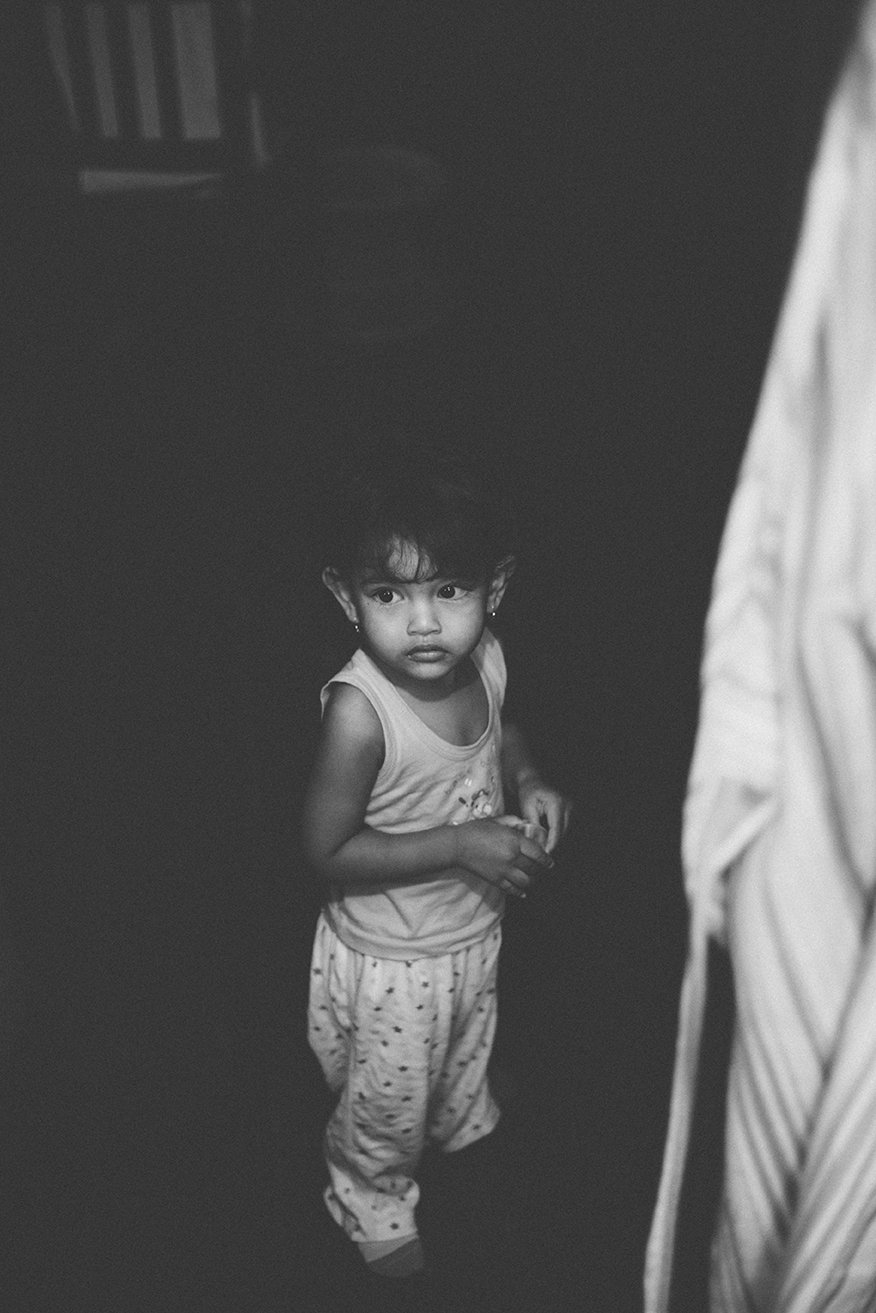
(106, 54)
(146, 78)
(195, 59)
(59, 54)
(155, 88)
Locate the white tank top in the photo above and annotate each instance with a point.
(424, 782)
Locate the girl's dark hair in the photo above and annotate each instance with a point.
(460, 521)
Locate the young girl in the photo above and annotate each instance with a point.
(404, 820)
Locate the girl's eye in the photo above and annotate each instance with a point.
(447, 591)
(385, 595)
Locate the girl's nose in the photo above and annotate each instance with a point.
(423, 619)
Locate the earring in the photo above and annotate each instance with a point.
(355, 626)
(492, 615)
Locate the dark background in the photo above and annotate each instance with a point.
(625, 186)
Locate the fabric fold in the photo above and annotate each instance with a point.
(779, 833)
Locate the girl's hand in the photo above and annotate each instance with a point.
(501, 853)
(529, 828)
(545, 806)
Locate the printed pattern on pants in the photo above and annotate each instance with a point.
(405, 1045)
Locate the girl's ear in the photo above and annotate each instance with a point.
(341, 591)
(504, 571)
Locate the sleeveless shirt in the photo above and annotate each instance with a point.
(424, 782)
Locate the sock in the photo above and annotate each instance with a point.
(394, 1258)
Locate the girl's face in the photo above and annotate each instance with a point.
(419, 631)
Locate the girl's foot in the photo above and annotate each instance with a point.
(394, 1259)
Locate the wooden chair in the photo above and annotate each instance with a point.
(159, 94)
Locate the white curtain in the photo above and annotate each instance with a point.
(780, 820)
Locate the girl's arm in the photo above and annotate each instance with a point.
(342, 848)
(536, 801)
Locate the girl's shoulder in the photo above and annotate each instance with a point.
(349, 712)
(490, 647)
(490, 660)
(359, 674)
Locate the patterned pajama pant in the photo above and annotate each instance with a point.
(405, 1045)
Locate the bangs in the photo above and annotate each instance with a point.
(421, 557)
(404, 522)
